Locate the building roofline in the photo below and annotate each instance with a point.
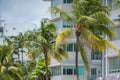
(54, 19)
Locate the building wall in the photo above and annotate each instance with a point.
(113, 55)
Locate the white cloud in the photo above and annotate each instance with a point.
(23, 13)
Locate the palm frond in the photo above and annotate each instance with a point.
(103, 18)
(83, 55)
(2, 68)
(63, 14)
(119, 53)
(58, 57)
(103, 30)
(92, 41)
(63, 53)
(111, 45)
(63, 36)
(87, 20)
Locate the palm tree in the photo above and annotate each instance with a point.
(42, 40)
(38, 73)
(9, 70)
(18, 42)
(91, 21)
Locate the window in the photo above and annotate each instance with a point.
(71, 70)
(109, 3)
(96, 55)
(114, 64)
(75, 47)
(93, 74)
(58, 23)
(67, 24)
(118, 32)
(80, 70)
(70, 47)
(56, 2)
(1, 29)
(56, 71)
(67, 1)
(67, 70)
(93, 71)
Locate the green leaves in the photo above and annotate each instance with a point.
(62, 13)
(83, 55)
(103, 18)
(63, 36)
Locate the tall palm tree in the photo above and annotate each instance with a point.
(91, 21)
(43, 41)
(9, 70)
(18, 42)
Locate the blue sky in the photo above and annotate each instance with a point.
(23, 14)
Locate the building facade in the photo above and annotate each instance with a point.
(98, 68)
(112, 60)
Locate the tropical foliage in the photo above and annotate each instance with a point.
(38, 73)
(9, 70)
(42, 42)
(92, 23)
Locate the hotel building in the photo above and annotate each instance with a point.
(100, 65)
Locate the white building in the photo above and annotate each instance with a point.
(112, 69)
(66, 69)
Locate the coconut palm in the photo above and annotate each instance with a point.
(91, 21)
(9, 70)
(41, 41)
(18, 42)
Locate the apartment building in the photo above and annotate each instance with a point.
(112, 70)
(105, 66)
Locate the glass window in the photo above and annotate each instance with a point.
(56, 70)
(93, 71)
(109, 3)
(71, 70)
(96, 55)
(64, 71)
(67, 24)
(70, 47)
(74, 71)
(58, 23)
(68, 70)
(93, 74)
(80, 70)
(74, 46)
(114, 63)
(56, 2)
(67, 1)
(118, 32)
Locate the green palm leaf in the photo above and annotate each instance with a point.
(83, 55)
(63, 36)
(63, 14)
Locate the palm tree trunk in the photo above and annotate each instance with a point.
(46, 63)
(76, 60)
